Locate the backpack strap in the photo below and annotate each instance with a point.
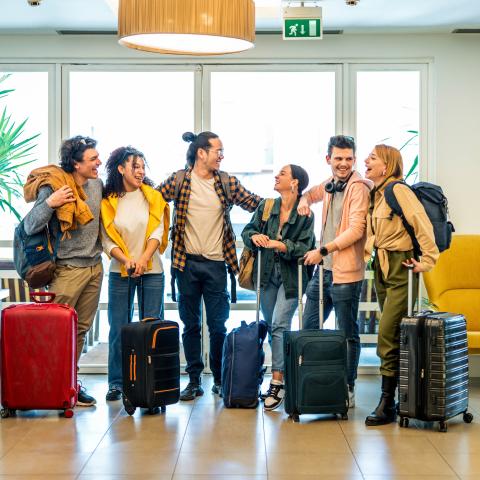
(267, 209)
(179, 178)
(392, 202)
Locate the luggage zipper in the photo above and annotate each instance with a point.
(300, 360)
(133, 367)
(154, 340)
(231, 370)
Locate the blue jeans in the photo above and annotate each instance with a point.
(207, 278)
(344, 298)
(150, 297)
(278, 313)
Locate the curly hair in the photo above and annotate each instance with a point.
(72, 150)
(114, 183)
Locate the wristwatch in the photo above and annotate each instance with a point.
(323, 251)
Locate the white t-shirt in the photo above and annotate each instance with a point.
(204, 223)
(131, 220)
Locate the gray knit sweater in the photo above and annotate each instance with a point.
(84, 247)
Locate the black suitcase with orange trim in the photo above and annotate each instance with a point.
(150, 365)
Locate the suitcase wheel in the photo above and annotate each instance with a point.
(153, 411)
(129, 408)
(442, 426)
(404, 421)
(295, 417)
(7, 412)
(344, 416)
(467, 417)
(68, 413)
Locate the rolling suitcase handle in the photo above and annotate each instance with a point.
(410, 291)
(259, 263)
(300, 294)
(129, 301)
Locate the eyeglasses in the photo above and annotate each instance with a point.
(220, 152)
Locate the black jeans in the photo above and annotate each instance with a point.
(344, 298)
(207, 278)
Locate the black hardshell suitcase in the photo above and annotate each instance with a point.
(150, 364)
(433, 383)
(315, 366)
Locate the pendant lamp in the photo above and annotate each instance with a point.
(187, 27)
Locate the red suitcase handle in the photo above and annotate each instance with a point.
(49, 295)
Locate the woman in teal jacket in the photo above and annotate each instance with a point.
(285, 238)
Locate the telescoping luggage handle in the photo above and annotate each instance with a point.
(129, 301)
(410, 291)
(300, 293)
(259, 263)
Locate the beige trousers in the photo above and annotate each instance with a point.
(79, 287)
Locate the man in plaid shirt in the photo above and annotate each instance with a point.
(203, 247)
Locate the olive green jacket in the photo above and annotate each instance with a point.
(297, 235)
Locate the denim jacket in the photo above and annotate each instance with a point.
(297, 235)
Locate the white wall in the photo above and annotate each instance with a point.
(454, 124)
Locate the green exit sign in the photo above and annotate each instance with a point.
(302, 28)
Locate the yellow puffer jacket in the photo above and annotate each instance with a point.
(157, 208)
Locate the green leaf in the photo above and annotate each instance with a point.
(15, 152)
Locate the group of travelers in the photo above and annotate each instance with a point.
(129, 219)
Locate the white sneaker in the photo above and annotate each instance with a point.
(351, 397)
(275, 396)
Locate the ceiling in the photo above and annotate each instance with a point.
(369, 16)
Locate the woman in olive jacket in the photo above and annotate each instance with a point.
(393, 252)
(284, 238)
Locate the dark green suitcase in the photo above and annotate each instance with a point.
(315, 367)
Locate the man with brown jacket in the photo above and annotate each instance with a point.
(345, 198)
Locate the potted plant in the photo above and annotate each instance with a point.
(14, 154)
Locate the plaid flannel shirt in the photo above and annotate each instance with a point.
(240, 196)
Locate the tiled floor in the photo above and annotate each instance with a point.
(202, 440)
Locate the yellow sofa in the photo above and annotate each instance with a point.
(453, 285)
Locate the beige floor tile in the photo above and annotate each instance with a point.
(198, 439)
(307, 439)
(464, 464)
(38, 477)
(390, 444)
(123, 477)
(326, 424)
(311, 464)
(454, 443)
(403, 464)
(51, 441)
(220, 477)
(24, 463)
(106, 462)
(410, 477)
(346, 476)
(146, 442)
(217, 463)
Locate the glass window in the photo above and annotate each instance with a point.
(388, 111)
(267, 120)
(26, 102)
(149, 110)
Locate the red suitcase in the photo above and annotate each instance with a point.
(38, 345)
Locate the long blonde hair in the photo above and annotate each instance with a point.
(393, 160)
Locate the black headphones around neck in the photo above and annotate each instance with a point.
(332, 186)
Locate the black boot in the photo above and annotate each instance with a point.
(386, 409)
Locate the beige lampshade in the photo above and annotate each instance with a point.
(187, 27)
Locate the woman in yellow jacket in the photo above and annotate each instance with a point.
(393, 251)
(135, 221)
